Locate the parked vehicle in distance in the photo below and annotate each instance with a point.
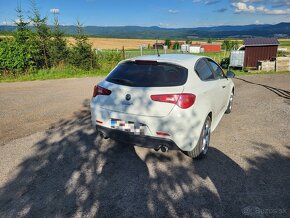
(170, 102)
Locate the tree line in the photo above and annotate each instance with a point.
(42, 47)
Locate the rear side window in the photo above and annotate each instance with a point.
(148, 74)
(217, 70)
(203, 70)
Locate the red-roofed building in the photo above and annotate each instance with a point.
(211, 47)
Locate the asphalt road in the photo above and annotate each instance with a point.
(52, 164)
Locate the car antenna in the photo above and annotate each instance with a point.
(156, 46)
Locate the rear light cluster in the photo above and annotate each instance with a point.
(98, 90)
(100, 122)
(162, 134)
(183, 100)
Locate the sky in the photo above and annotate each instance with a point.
(163, 13)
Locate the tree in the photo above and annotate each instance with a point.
(43, 35)
(81, 54)
(209, 40)
(22, 32)
(188, 41)
(230, 45)
(168, 42)
(57, 49)
(226, 45)
(234, 45)
(176, 46)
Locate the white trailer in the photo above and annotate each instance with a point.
(194, 49)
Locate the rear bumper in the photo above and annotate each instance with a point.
(139, 140)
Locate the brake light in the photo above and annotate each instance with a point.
(100, 122)
(184, 100)
(162, 133)
(98, 90)
(144, 62)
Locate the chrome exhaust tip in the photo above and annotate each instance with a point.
(164, 148)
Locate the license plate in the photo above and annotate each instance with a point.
(128, 126)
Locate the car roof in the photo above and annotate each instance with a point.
(182, 59)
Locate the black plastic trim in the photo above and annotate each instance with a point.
(139, 140)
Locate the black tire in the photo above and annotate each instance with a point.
(201, 148)
(230, 105)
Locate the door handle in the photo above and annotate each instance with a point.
(224, 87)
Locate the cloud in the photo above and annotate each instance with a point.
(164, 25)
(206, 2)
(54, 10)
(280, 3)
(221, 10)
(264, 10)
(173, 11)
(271, 3)
(211, 2)
(241, 7)
(10, 23)
(251, 1)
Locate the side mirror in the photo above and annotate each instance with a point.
(230, 74)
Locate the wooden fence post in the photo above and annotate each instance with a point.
(123, 52)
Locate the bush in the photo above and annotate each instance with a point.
(18, 57)
(108, 59)
(112, 57)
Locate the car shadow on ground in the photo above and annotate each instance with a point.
(75, 173)
(280, 92)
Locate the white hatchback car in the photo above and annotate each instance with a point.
(163, 102)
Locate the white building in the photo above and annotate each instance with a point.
(185, 48)
(195, 49)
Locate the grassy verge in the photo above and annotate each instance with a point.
(54, 73)
(250, 73)
(285, 43)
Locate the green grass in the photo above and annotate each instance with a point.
(136, 52)
(70, 72)
(243, 73)
(285, 43)
(54, 73)
(216, 56)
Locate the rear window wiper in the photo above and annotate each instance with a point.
(123, 81)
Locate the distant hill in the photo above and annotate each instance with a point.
(263, 30)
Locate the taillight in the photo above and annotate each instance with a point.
(98, 90)
(183, 100)
(162, 133)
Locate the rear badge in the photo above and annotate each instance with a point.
(128, 97)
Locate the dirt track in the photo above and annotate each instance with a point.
(52, 164)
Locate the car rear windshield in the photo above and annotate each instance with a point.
(148, 74)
